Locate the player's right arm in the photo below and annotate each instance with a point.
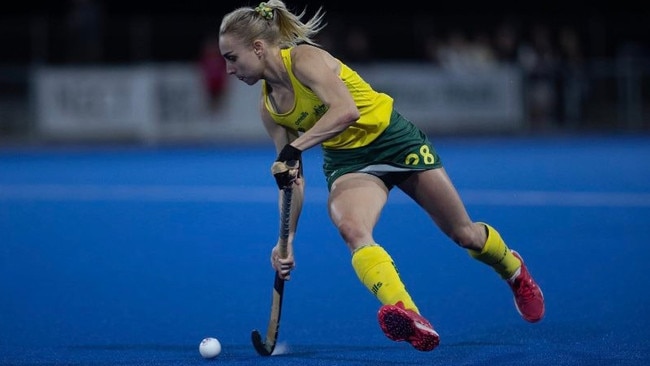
(282, 136)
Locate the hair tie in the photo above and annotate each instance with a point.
(265, 11)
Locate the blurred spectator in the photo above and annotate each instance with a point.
(574, 79)
(85, 25)
(506, 43)
(213, 68)
(453, 53)
(539, 59)
(460, 54)
(481, 51)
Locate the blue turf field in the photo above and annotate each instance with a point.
(130, 256)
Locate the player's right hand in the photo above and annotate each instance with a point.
(285, 174)
(286, 167)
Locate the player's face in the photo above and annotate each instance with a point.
(241, 59)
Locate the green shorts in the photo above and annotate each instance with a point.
(398, 152)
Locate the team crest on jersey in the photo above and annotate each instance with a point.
(320, 110)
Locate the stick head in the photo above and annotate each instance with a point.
(261, 347)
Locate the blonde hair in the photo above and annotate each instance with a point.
(272, 22)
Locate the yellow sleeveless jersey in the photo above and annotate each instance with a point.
(375, 109)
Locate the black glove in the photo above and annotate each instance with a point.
(289, 155)
(285, 168)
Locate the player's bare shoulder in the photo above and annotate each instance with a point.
(306, 58)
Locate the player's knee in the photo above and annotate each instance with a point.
(351, 231)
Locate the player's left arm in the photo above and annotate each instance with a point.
(319, 71)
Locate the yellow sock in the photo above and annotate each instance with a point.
(376, 270)
(496, 254)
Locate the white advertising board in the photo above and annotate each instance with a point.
(444, 101)
(158, 103)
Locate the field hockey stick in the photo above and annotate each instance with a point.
(265, 347)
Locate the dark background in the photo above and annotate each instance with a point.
(174, 31)
(556, 7)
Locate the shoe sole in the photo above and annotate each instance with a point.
(398, 326)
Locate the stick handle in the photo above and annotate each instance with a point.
(285, 218)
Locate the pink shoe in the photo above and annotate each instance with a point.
(529, 299)
(400, 324)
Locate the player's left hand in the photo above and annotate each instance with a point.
(286, 167)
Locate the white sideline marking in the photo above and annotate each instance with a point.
(253, 194)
